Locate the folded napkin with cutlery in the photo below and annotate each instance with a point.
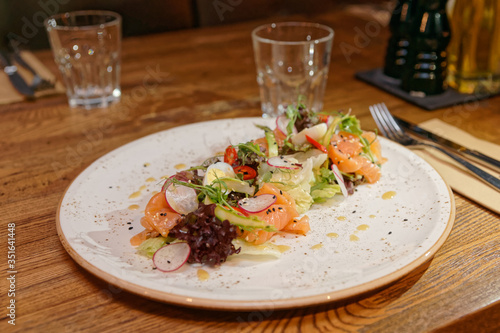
(454, 174)
(9, 94)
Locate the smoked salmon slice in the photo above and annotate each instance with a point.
(158, 218)
(345, 151)
(282, 214)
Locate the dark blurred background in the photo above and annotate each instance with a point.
(23, 19)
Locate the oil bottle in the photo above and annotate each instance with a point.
(474, 51)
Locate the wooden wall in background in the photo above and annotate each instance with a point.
(24, 18)
(216, 12)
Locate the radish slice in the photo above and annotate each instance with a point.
(340, 180)
(330, 120)
(181, 199)
(316, 132)
(171, 257)
(258, 203)
(176, 176)
(283, 163)
(281, 124)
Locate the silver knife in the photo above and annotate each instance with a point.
(414, 129)
(14, 77)
(38, 83)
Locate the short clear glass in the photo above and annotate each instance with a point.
(292, 60)
(87, 49)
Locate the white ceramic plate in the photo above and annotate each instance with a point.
(366, 241)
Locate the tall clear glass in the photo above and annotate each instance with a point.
(292, 60)
(87, 49)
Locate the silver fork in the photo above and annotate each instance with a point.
(391, 130)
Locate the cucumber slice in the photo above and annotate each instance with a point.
(235, 185)
(272, 144)
(330, 131)
(244, 222)
(316, 132)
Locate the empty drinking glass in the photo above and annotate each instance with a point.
(292, 60)
(87, 47)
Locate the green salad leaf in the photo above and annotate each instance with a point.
(350, 124)
(325, 186)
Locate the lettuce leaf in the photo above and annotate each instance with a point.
(326, 191)
(297, 183)
(303, 198)
(325, 186)
(267, 249)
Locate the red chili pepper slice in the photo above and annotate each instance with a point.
(323, 118)
(316, 144)
(230, 155)
(246, 171)
(240, 210)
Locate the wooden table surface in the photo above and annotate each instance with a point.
(189, 76)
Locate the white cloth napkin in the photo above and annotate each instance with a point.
(457, 176)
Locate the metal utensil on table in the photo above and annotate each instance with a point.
(38, 83)
(14, 76)
(390, 129)
(420, 132)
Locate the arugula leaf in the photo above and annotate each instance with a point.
(350, 124)
(248, 147)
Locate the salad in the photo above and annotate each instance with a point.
(236, 202)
